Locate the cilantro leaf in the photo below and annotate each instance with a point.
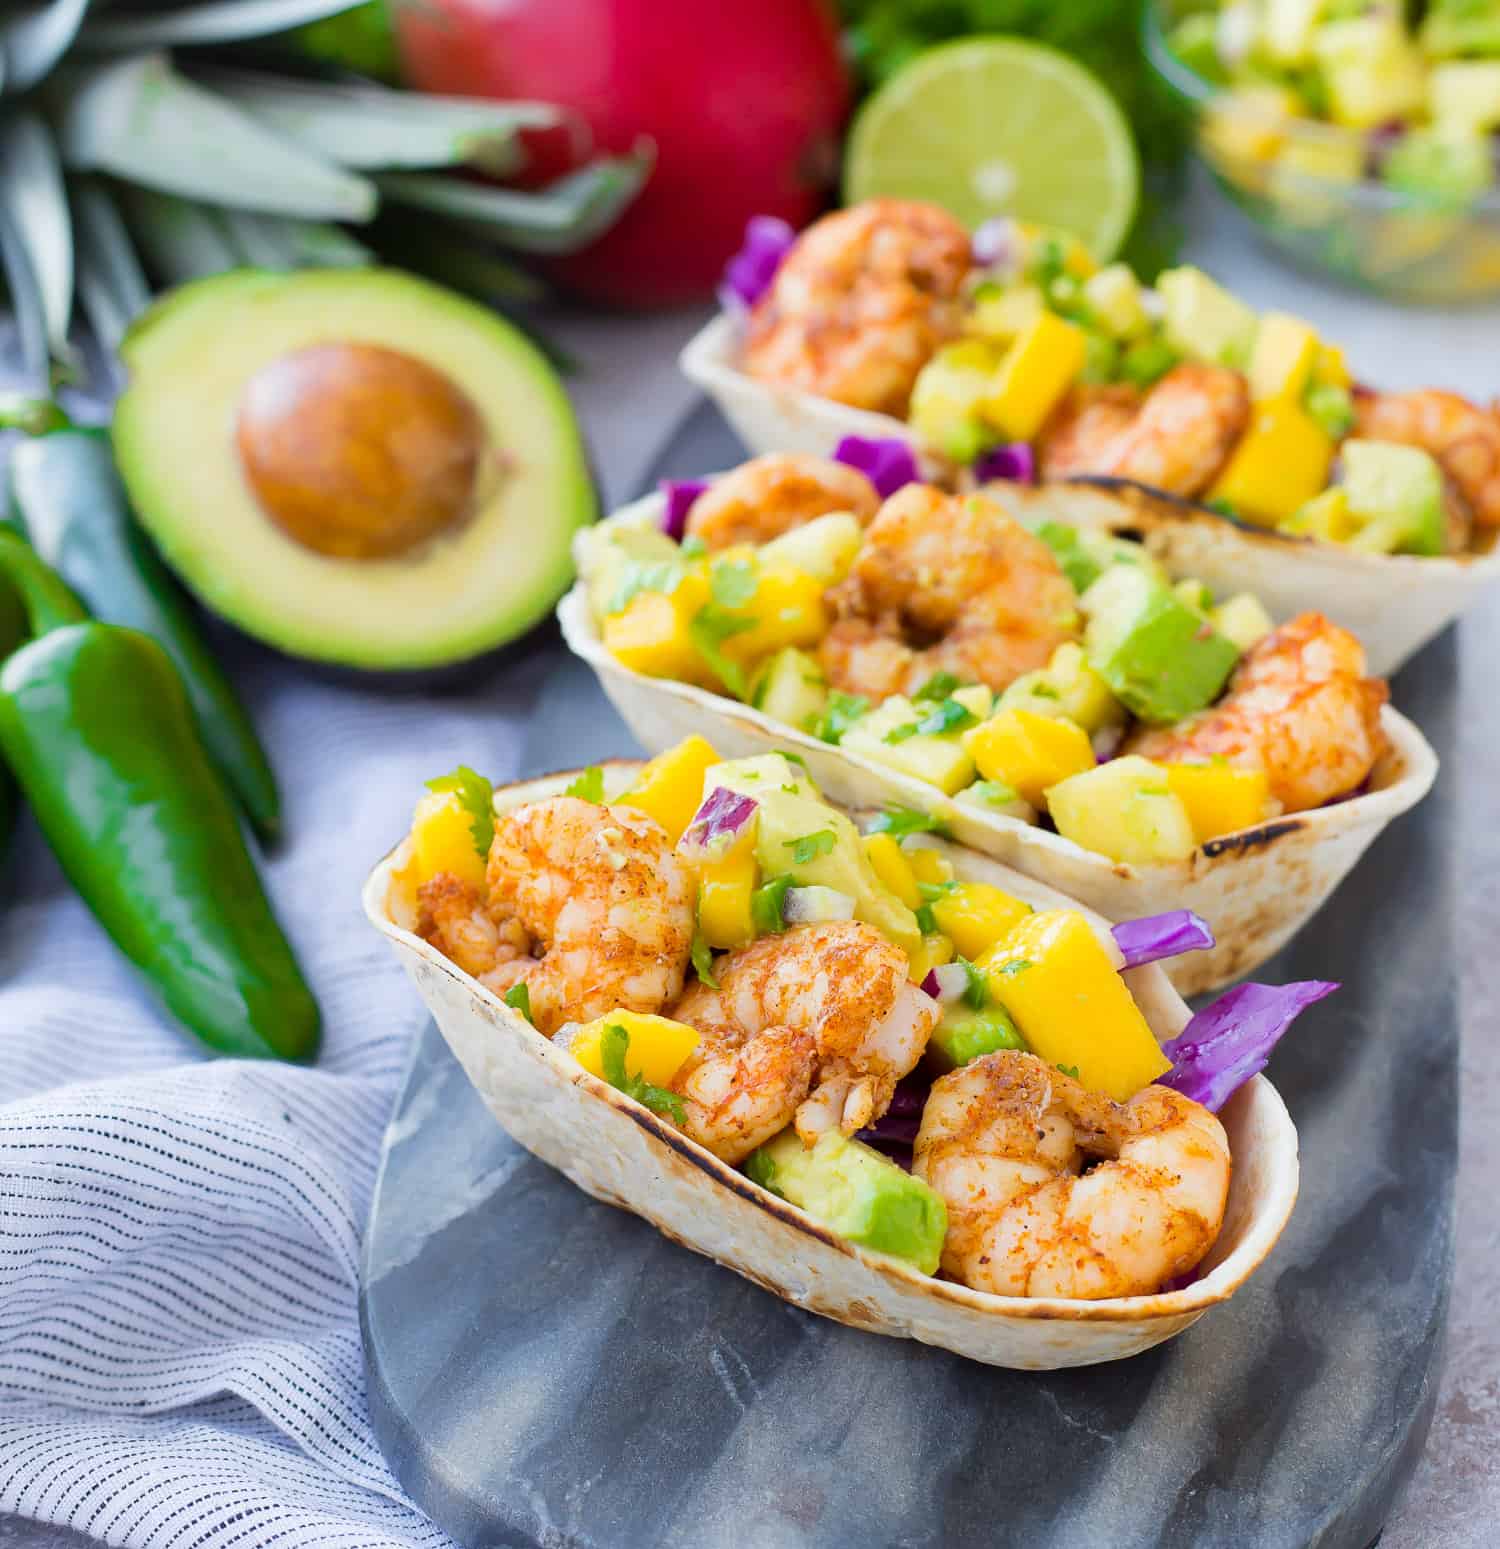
(476, 796)
(759, 1168)
(703, 962)
(1070, 1070)
(792, 758)
(709, 627)
(613, 1045)
(839, 714)
(932, 891)
(589, 786)
(1016, 966)
(733, 582)
(994, 793)
(639, 576)
(977, 994)
(948, 716)
(939, 686)
(927, 920)
(899, 821)
(810, 846)
(518, 997)
(765, 906)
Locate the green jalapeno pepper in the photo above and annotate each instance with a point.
(66, 496)
(12, 633)
(98, 731)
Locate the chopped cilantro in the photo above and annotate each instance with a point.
(638, 576)
(693, 547)
(899, 821)
(765, 906)
(1044, 691)
(476, 796)
(589, 786)
(932, 891)
(948, 716)
(939, 686)
(518, 997)
(759, 1168)
(612, 1049)
(977, 994)
(927, 920)
(1222, 506)
(840, 713)
(810, 846)
(710, 626)
(1070, 1070)
(733, 582)
(793, 789)
(703, 962)
(994, 793)
(1018, 965)
(792, 758)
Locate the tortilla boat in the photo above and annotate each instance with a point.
(1395, 603)
(1257, 886)
(621, 1152)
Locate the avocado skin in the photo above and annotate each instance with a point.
(1161, 658)
(857, 1193)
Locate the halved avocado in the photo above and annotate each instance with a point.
(356, 467)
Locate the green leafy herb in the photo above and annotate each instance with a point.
(994, 793)
(1018, 965)
(939, 686)
(948, 716)
(703, 962)
(759, 1168)
(733, 582)
(932, 891)
(518, 997)
(1222, 506)
(977, 995)
(898, 822)
(1331, 406)
(476, 796)
(1044, 691)
(708, 630)
(589, 786)
(810, 846)
(792, 758)
(839, 714)
(1070, 1070)
(765, 906)
(613, 1046)
(926, 920)
(693, 547)
(639, 576)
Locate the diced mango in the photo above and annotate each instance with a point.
(1037, 370)
(442, 839)
(977, 915)
(1220, 799)
(889, 862)
(1282, 460)
(652, 635)
(1123, 809)
(657, 1049)
(787, 609)
(1029, 752)
(1054, 977)
(1332, 367)
(670, 787)
(725, 887)
(1282, 360)
(933, 951)
(929, 866)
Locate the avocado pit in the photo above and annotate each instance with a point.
(359, 452)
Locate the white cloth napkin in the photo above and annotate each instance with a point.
(180, 1359)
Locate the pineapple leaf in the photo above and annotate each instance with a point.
(181, 240)
(31, 189)
(220, 21)
(31, 43)
(111, 284)
(26, 303)
(275, 242)
(141, 120)
(564, 216)
(370, 127)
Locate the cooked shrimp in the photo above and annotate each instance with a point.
(1464, 439)
(1299, 707)
(946, 583)
(861, 304)
(768, 496)
(605, 905)
(843, 985)
(1176, 440)
(457, 921)
(1002, 1141)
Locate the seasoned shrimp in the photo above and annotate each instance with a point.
(457, 921)
(843, 985)
(605, 905)
(1002, 1141)
(861, 304)
(1176, 440)
(768, 496)
(946, 583)
(1464, 439)
(1299, 707)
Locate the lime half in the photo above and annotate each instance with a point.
(995, 126)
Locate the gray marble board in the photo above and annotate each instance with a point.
(546, 1370)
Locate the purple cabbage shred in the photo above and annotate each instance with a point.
(1014, 461)
(887, 462)
(1156, 936)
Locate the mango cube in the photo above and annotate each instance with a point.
(975, 915)
(1332, 367)
(932, 952)
(1282, 460)
(670, 787)
(1283, 357)
(1038, 369)
(786, 609)
(889, 863)
(1123, 809)
(927, 865)
(442, 840)
(1220, 799)
(652, 635)
(657, 1050)
(1054, 977)
(725, 887)
(1029, 752)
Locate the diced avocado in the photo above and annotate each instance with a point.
(1326, 517)
(964, 1035)
(976, 698)
(615, 558)
(1331, 406)
(946, 397)
(1455, 27)
(1114, 297)
(1466, 94)
(791, 687)
(1195, 41)
(790, 810)
(1005, 314)
(1203, 321)
(1443, 168)
(1372, 70)
(1085, 553)
(1147, 361)
(938, 758)
(1242, 620)
(1161, 658)
(1066, 686)
(1396, 497)
(1194, 593)
(1125, 810)
(852, 1189)
(824, 547)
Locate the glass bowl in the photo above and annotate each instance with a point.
(1307, 184)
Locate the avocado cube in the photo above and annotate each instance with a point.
(945, 399)
(1395, 495)
(1203, 321)
(1114, 297)
(852, 1189)
(824, 547)
(1083, 554)
(1162, 659)
(940, 759)
(1242, 620)
(964, 1035)
(1453, 27)
(790, 687)
(1124, 809)
(1442, 169)
(1005, 314)
(1194, 593)
(1067, 686)
(611, 556)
